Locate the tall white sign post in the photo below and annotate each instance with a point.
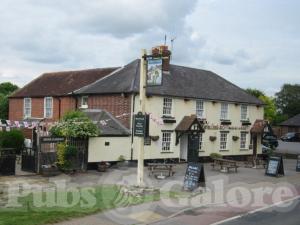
(143, 70)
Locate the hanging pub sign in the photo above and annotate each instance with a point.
(298, 164)
(154, 72)
(139, 124)
(194, 176)
(275, 167)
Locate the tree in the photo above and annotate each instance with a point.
(255, 92)
(288, 100)
(270, 112)
(3, 106)
(270, 108)
(6, 89)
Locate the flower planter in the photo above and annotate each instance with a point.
(154, 138)
(49, 170)
(212, 138)
(235, 138)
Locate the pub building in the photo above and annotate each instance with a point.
(192, 114)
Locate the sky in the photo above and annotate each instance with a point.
(252, 43)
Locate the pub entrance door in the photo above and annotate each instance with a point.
(193, 147)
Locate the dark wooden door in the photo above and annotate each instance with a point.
(29, 156)
(193, 147)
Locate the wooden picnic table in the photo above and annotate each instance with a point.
(225, 164)
(161, 168)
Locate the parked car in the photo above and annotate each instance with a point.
(291, 136)
(270, 141)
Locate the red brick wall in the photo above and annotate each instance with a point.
(115, 104)
(37, 107)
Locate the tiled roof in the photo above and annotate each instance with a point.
(179, 82)
(61, 83)
(293, 122)
(107, 123)
(187, 122)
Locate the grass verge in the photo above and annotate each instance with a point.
(50, 207)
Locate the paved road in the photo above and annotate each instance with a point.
(271, 216)
(288, 147)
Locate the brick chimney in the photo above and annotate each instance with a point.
(162, 51)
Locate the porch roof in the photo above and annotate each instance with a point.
(186, 123)
(258, 126)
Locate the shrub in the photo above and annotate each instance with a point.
(65, 155)
(12, 139)
(75, 124)
(215, 156)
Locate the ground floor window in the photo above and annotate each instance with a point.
(166, 141)
(223, 140)
(243, 142)
(200, 142)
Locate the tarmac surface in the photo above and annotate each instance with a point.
(269, 216)
(288, 147)
(214, 203)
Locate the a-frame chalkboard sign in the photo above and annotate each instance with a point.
(194, 176)
(275, 167)
(298, 164)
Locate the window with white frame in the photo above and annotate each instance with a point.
(244, 112)
(166, 141)
(223, 140)
(48, 107)
(200, 142)
(243, 140)
(167, 107)
(84, 102)
(200, 109)
(224, 111)
(27, 107)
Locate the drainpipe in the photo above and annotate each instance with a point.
(59, 108)
(132, 125)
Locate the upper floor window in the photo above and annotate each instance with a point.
(223, 140)
(244, 112)
(27, 107)
(224, 111)
(167, 107)
(84, 102)
(166, 140)
(200, 109)
(48, 107)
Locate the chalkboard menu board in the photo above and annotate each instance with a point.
(139, 124)
(298, 164)
(194, 176)
(275, 167)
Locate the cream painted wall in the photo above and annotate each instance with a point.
(117, 146)
(122, 145)
(212, 110)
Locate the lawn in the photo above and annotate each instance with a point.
(105, 197)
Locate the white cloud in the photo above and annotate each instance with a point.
(236, 39)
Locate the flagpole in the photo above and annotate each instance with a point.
(140, 169)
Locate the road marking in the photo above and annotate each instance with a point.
(256, 210)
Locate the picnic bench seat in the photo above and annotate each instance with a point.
(225, 164)
(159, 168)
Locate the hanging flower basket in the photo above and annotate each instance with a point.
(154, 138)
(235, 138)
(212, 138)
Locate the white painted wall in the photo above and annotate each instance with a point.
(117, 146)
